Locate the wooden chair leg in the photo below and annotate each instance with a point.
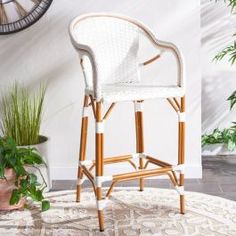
(83, 143)
(99, 163)
(139, 137)
(182, 151)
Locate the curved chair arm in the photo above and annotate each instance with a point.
(170, 47)
(179, 59)
(164, 47)
(84, 50)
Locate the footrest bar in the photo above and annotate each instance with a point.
(116, 159)
(158, 162)
(141, 174)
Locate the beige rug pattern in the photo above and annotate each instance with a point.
(129, 212)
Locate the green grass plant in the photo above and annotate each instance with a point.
(21, 114)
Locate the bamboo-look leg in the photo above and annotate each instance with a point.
(181, 151)
(83, 142)
(99, 161)
(139, 137)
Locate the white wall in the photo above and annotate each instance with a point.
(44, 53)
(218, 79)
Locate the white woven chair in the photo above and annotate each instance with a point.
(108, 47)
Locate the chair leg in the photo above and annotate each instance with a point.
(139, 137)
(83, 143)
(181, 151)
(99, 163)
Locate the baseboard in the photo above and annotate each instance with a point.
(69, 173)
(216, 150)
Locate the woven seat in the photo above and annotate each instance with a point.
(136, 91)
(109, 50)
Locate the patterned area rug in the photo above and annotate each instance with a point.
(129, 212)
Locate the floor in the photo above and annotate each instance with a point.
(219, 179)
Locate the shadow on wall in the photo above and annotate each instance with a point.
(215, 107)
(218, 79)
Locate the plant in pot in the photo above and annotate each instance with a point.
(21, 117)
(16, 183)
(224, 141)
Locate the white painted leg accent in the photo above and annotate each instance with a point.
(179, 168)
(85, 111)
(86, 163)
(139, 155)
(80, 181)
(180, 190)
(181, 116)
(142, 155)
(101, 179)
(100, 127)
(138, 106)
(101, 204)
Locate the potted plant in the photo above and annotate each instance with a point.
(21, 120)
(223, 141)
(16, 182)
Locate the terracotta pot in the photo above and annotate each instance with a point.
(6, 187)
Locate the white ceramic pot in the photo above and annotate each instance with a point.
(42, 148)
(216, 149)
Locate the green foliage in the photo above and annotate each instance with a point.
(22, 115)
(26, 183)
(227, 136)
(231, 4)
(232, 99)
(45, 205)
(229, 51)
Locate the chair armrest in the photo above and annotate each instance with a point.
(166, 46)
(179, 59)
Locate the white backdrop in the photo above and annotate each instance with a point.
(44, 53)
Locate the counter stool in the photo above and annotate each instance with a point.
(108, 46)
